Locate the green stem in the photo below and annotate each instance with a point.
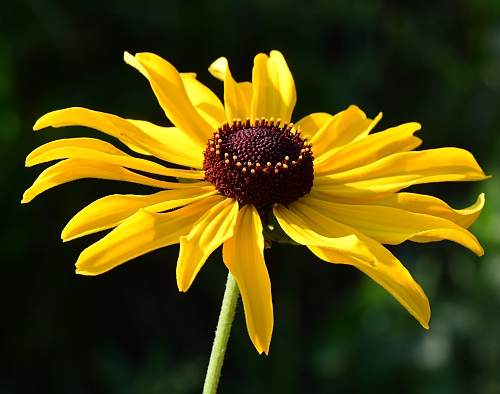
(221, 335)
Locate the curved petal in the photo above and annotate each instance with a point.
(393, 226)
(237, 96)
(88, 143)
(171, 93)
(140, 234)
(391, 275)
(122, 129)
(218, 68)
(300, 231)
(274, 89)
(243, 255)
(369, 149)
(209, 231)
(401, 170)
(178, 148)
(206, 103)
(343, 128)
(69, 149)
(388, 272)
(110, 211)
(73, 169)
(311, 124)
(417, 203)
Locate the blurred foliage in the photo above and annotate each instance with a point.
(130, 330)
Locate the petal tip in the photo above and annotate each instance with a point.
(83, 272)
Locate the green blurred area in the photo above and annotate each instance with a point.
(130, 330)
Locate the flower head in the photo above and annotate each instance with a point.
(326, 182)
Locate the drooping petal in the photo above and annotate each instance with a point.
(73, 169)
(401, 170)
(140, 234)
(178, 148)
(417, 203)
(71, 149)
(369, 149)
(171, 93)
(119, 128)
(388, 272)
(274, 88)
(110, 211)
(300, 231)
(237, 96)
(206, 103)
(311, 124)
(391, 275)
(206, 235)
(343, 128)
(393, 226)
(243, 255)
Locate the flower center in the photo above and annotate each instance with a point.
(261, 164)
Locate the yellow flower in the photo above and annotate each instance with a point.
(239, 176)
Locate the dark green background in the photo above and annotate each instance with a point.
(130, 330)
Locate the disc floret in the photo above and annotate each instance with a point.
(261, 163)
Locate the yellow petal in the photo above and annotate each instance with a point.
(369, 149)
(388, 272)
(206, 235)
(417, 203)
(140, 234)
(218, 68)
(89, 143)
(237, 96)
(178, 148)
(113, 125)
(300, 231)
(171, 93)
(73, 169)
(274, 89)
(391, 275)
(343, 128)
(393, 226)
(71, 149)
(206, 103)
(110, 211)
(401, 170)
(311, 124)
(243, 255)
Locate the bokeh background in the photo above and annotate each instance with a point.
(130, 330)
